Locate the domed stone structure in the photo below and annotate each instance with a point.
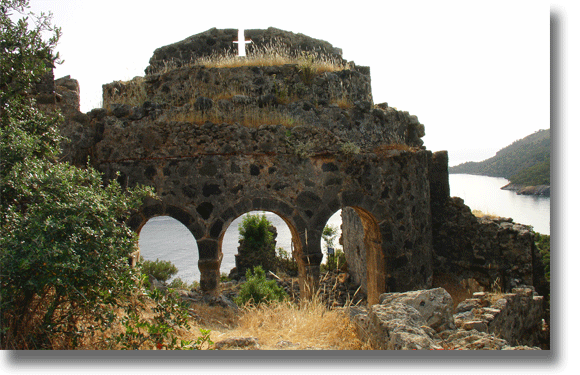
(297, 139)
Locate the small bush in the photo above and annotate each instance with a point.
(334, 262)
(178, 283)
(349, 149)
(285, 263)
(162, 270)
(257, 289)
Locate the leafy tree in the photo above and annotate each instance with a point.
(64, 252)
(25, 58)
(329, 234)
(258, 244)
(254, 230)
(64, 246)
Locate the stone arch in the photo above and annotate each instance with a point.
(372, 238)
(154, 209)
(293, 219)
(374, 260)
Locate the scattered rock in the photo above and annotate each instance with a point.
(233, 343)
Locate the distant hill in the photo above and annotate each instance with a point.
(525, 162)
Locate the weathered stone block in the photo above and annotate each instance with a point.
(434, 305)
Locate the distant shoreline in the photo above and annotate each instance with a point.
(541, 190)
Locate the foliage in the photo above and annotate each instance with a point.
(257, 289)
(64, 246)
(25, 58)
(306, 67)
(286, 263)
(335, 261)
(178, 283)
(349, 149)
(258, 242)
(538, 174)
(170, 313)
(526, 161)
(162, 270)
(543, 244)
(329, 234)
(254, 230)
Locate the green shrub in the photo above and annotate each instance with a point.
(64, 251)
(257, 289)
(334, 262)
(162, 270)
(64, 245)
(258, 247)
(178, 283)
(543, 244)
(158, 332)
(286, 263)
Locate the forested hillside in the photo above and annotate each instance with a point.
(524, 162)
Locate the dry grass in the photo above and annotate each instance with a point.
(249, 117)
(132, 92)
(485, 215)
(342, 102)
(274, 53)
(308, 326)
(395, 146)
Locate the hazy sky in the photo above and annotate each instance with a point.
(477, 74)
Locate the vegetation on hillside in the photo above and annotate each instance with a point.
(524, 162)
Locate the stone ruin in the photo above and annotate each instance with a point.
(218, 142)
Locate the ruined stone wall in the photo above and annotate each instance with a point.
(219, 41)
(339, 101)
(488, 250)
(518, 317)
(208, 175)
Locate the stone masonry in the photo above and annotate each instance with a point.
(216, 143)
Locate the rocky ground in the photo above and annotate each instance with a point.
(336, 290)
(416, 320)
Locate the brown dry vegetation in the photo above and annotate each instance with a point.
(300, 327)
(395, 146)
(274, 53)
(309, 325)
(485, 215)
(249, 117)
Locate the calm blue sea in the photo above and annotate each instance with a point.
(165, 238)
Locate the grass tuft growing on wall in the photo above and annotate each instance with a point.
(273, 53)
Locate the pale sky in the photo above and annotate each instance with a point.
(476, 74)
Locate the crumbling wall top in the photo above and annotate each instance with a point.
(218, 41)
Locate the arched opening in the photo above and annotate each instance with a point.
(360, 245)
(284, 244)
(165, 238)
